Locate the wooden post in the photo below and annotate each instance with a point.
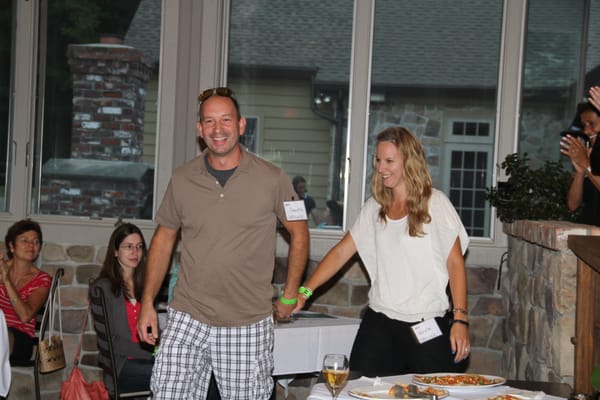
(586, 341)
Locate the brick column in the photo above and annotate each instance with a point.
(108, 101)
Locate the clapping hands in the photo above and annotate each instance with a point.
(595, 96)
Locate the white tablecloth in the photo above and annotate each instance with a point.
(320, 391)
(4, 364)
(300, 345)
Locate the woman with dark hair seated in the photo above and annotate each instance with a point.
(24, 288)
(121, 280)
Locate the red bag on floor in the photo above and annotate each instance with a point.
(76, 388)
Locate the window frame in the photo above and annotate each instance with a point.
(184, 70)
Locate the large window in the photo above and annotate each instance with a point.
(298, 86)
(290, 68)
(318, 79)
(6, 61)
(422, 78)
(96, 124)
(552, 80)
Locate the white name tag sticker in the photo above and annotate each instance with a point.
(426, 330)
(295, 210)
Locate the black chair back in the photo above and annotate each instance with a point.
(107, 359)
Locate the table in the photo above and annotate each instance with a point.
(301, 344)
(4, 362)
(320, 391)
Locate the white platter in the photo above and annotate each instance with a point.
(422, 379)
(380, 391)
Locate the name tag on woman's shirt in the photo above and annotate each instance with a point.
(426, 330)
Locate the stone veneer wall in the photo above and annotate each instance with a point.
(346, 295)
(539, 291)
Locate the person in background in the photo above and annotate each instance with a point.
(23, 287)
(309, 203)
(333, 215)
(121, 279)
(411, 241)
(225, 204)
(584, 189)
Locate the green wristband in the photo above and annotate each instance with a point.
(306, 292)
(283, 300)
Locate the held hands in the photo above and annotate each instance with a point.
(286, 307)
(283, 311)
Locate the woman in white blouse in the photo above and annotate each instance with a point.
(411, 241)
(4, 364)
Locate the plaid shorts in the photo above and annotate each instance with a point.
(241, 358)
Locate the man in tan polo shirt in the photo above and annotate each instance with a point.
(226, 203)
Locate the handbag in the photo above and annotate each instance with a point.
(76, 387)
(50, 349)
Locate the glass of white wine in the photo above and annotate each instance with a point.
(335, 372)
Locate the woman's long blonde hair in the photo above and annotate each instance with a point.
(416, 174)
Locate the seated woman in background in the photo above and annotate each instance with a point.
(23, 287)
(121, 280)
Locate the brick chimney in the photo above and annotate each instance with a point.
(108, 101)
(105, 175)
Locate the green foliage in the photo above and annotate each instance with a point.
(596, 378)
(82, 20)
(539, 194)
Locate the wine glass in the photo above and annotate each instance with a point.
(335, 371)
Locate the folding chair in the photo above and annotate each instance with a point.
(105, 346)
(35, 361)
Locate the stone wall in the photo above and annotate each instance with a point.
(539, 292)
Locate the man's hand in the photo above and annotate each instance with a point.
(283, 311)
(147, 325)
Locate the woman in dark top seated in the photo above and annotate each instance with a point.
(121, 280)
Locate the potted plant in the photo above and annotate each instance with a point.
(534, 194)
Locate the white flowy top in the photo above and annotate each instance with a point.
(4, 364)
(408, 274)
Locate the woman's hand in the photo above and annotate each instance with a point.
(459, 341)
(299, 304)
(595, 96)
(576, 151)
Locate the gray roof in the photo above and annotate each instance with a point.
(418, 38)
(144, 31)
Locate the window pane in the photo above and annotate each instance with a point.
(441, 84)
(289, 67)
(550, 77)
(6, 43)
(96, 128)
